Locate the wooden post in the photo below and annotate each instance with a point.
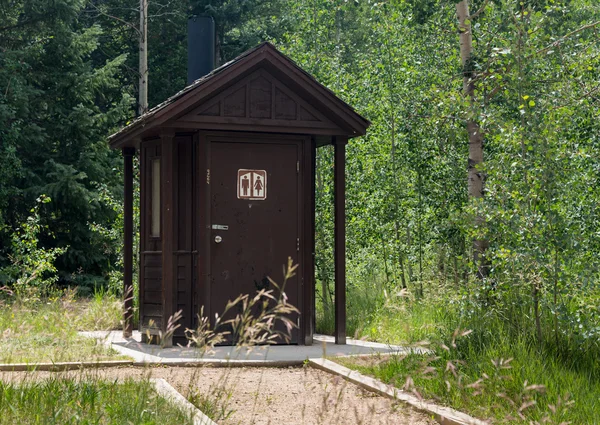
(167, 196)
(340, 238)
(309, 240)
(128, 242)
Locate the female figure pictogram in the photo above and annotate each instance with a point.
(258, 186)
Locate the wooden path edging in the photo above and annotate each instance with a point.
(443, 415)
(61, 366)
(166, 391)
(66, 366)
(222, 363)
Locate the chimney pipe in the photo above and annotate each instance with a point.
(201, 47)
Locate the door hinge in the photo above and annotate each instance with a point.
(297, 244)
(208, 176)
(297, 166)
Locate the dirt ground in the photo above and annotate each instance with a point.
(267, 395)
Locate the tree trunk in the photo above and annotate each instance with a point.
(420, 230)
(400, 255)
(143, 65)
(475, 178)
(536, 309)
(385, 266)
(396, 196)
(408, 262)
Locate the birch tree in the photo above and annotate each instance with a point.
(475, 135)
(143, 65)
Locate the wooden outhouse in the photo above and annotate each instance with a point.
(227, 183)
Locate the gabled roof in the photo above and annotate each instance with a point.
(266, 57)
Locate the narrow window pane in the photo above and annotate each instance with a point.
(155, 231)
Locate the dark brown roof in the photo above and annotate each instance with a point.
(194, 94)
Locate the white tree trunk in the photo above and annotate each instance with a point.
(475, 178)
(143, 65)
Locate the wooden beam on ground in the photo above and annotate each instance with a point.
(166, 391)
(443, 415)
(128, 154)
(340, 237)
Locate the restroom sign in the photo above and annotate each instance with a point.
(252, 185)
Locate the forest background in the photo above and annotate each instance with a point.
(416, 234)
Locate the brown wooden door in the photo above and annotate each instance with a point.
(253, 225)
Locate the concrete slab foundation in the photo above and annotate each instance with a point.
(274, 355)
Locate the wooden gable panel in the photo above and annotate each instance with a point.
(234, 105)
(259, 100)
(212, 110)
(285, 107)
(304, 115)
(260, 91)
(334, 116)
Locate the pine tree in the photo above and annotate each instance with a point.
(56, 107)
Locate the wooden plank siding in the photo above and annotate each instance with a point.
(150, 285)
(184, 234)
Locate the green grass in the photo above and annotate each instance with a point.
(71, 401)
(566, 375)
(47, 331)
(216, 404)
(409, 323)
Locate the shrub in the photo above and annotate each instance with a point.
(32, 271)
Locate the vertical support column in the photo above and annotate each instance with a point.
(128, 242)
(340, 237)
(308, 240)
(167, 193)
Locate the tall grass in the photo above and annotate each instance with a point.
(364, 297)
(492, 372)
(46, 330)
(76, 401)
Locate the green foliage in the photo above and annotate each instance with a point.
(68, 72)
(541, 219)
(410, 223)
(75, 401)
(57, 105)
(110, 235)
(408, 213)
(244, 24)
(32, 271)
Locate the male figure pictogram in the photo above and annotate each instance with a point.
(258, 185)
(245, 185)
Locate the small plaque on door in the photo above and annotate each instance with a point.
(252, 185)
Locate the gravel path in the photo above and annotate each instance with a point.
(267, 395)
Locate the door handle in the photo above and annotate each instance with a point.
(218, 239)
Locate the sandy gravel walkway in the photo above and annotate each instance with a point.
(268, 395)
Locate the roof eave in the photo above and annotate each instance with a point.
(355, 124)
(347, 114)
